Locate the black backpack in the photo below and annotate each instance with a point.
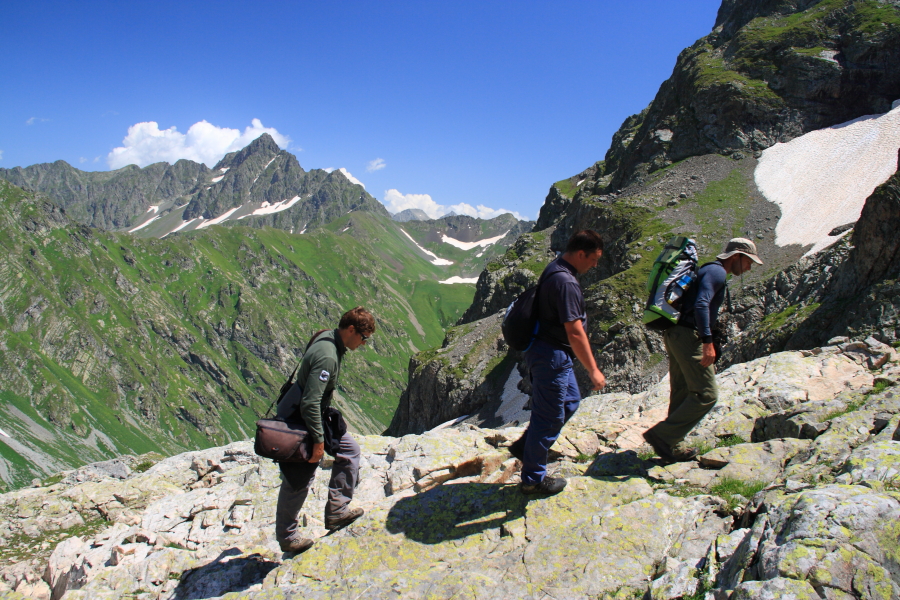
(520, 323)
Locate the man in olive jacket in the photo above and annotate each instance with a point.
(307, 402)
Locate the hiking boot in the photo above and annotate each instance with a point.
(662, 449)
(682, 453)
(296, 545)
(517, 448)
(350, 515)
(549, 485)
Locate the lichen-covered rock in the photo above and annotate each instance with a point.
(753, 462)
(444, 517)
(876, 462)
(840, 541)
(775, 589)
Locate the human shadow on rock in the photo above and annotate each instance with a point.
(621, 463)
(454, 511)
(229, 572)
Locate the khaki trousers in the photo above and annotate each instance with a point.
(692, 391)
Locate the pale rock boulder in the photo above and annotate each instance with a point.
(775, 589)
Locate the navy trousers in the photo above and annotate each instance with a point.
(554, 399)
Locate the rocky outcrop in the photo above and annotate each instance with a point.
(812, 515)
(456, 380)
(769, 72)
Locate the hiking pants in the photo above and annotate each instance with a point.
(297, 479)
(692, 388)
(554, 399)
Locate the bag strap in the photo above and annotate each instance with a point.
(290, 380)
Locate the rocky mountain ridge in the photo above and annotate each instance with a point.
(259, 185)
(795, 493)
(411, 214)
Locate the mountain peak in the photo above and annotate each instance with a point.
(411, 214)
(264, 145)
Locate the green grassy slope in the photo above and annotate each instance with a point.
(111, 344)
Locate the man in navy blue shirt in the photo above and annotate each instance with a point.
(561, 337)
(689, 344)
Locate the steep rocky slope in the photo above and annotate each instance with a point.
(795, 494)
(770, 71)
(111, 344)
(688, 165)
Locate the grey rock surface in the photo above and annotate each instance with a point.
(808, 517)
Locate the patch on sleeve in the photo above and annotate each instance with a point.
(324, 375)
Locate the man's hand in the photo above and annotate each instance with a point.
(578, 339)
(318, 451)
(598, 380)
(709, 355)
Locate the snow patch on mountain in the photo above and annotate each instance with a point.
(436, 260)
(144, 224)
(223, 217)
(469, 245)
(821, 180)
(268, 209)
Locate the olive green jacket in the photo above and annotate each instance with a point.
(317, 377)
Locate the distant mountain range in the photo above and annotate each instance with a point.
(468, 242)
(411, 214)
(112, 344)
(260, 185)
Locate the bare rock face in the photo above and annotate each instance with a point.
(814, 517)
(455, 380)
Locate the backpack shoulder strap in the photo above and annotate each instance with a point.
(290, 380)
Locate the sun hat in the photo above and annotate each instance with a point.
(740, 246)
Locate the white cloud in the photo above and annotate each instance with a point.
(376, 165)
(481, 211)
(82, 160)
(396, 202)
(146, 143)
(96, 159)
(1, 154)
(34, 120)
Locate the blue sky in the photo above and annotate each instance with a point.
(476, 103)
